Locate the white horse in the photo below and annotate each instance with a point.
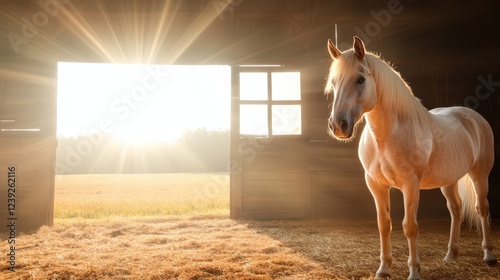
(405, 146)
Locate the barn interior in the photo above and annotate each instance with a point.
(446, 50)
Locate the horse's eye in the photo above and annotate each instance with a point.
(361, 80)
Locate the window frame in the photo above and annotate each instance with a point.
(236, 102)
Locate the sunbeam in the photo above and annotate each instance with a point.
(80, 27)
(164, 25)
(129, 32)
(201, 23)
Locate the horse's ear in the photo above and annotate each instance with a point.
(334, 52)
(359, 47)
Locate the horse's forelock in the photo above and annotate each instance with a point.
(341, 68)
(346, 66)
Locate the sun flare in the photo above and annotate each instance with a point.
(141, 103)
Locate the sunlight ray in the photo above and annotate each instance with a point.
(108, 150)
(200, 24)
(108, 21)
(79, 25)
(42, 46)
(164, 25)
(24, 76)
(139, 33)
(122, 160)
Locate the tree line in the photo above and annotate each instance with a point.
(198, 150)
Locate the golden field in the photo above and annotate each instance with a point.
(98, 196)
(103, 230)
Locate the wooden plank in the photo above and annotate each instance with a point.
(263, 203)
(338, 184)
(318, 132)
(14, 152)
(306, 185)
(22, 94)
(273, 214)
(333, 148)
(12, 142)
(362, 198)
(32, 113)
(271, 175)
(20, 121)
(432, 206)
(350, 211)
(340, 195)
(341, 190)
(235, 195)
(336, 164)
(235, 164)
(276, 158)
(271, 188)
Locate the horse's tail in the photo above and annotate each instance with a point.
(468, 196)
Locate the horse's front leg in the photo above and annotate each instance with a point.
(382, 198)
(411, 196)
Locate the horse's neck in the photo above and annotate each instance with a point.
(380, 124)
(397, 111)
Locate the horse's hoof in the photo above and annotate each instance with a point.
(383, 275)
(451, 256)
(490, 262)
(448, 259)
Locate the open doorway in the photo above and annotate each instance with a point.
(142, 140)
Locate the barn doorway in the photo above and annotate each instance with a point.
(148, 140)
(142, 140)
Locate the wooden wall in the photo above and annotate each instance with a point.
(27, 143)
(444, 49)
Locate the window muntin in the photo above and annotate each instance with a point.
(270, 103)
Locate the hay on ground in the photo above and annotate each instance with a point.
(215, 247)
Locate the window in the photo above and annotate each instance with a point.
(269, 102)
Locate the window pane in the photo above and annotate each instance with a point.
(253, 120)
(253, 86)
(286, 120)
(286, 85)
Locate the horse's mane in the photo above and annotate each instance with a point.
(393, 92)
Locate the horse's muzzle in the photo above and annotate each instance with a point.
(340, 128)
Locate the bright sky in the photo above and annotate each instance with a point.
(142, 103)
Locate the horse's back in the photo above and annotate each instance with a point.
(468, 125)
(464, 118)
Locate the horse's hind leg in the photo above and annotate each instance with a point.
(482, 206)
(454, 204)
